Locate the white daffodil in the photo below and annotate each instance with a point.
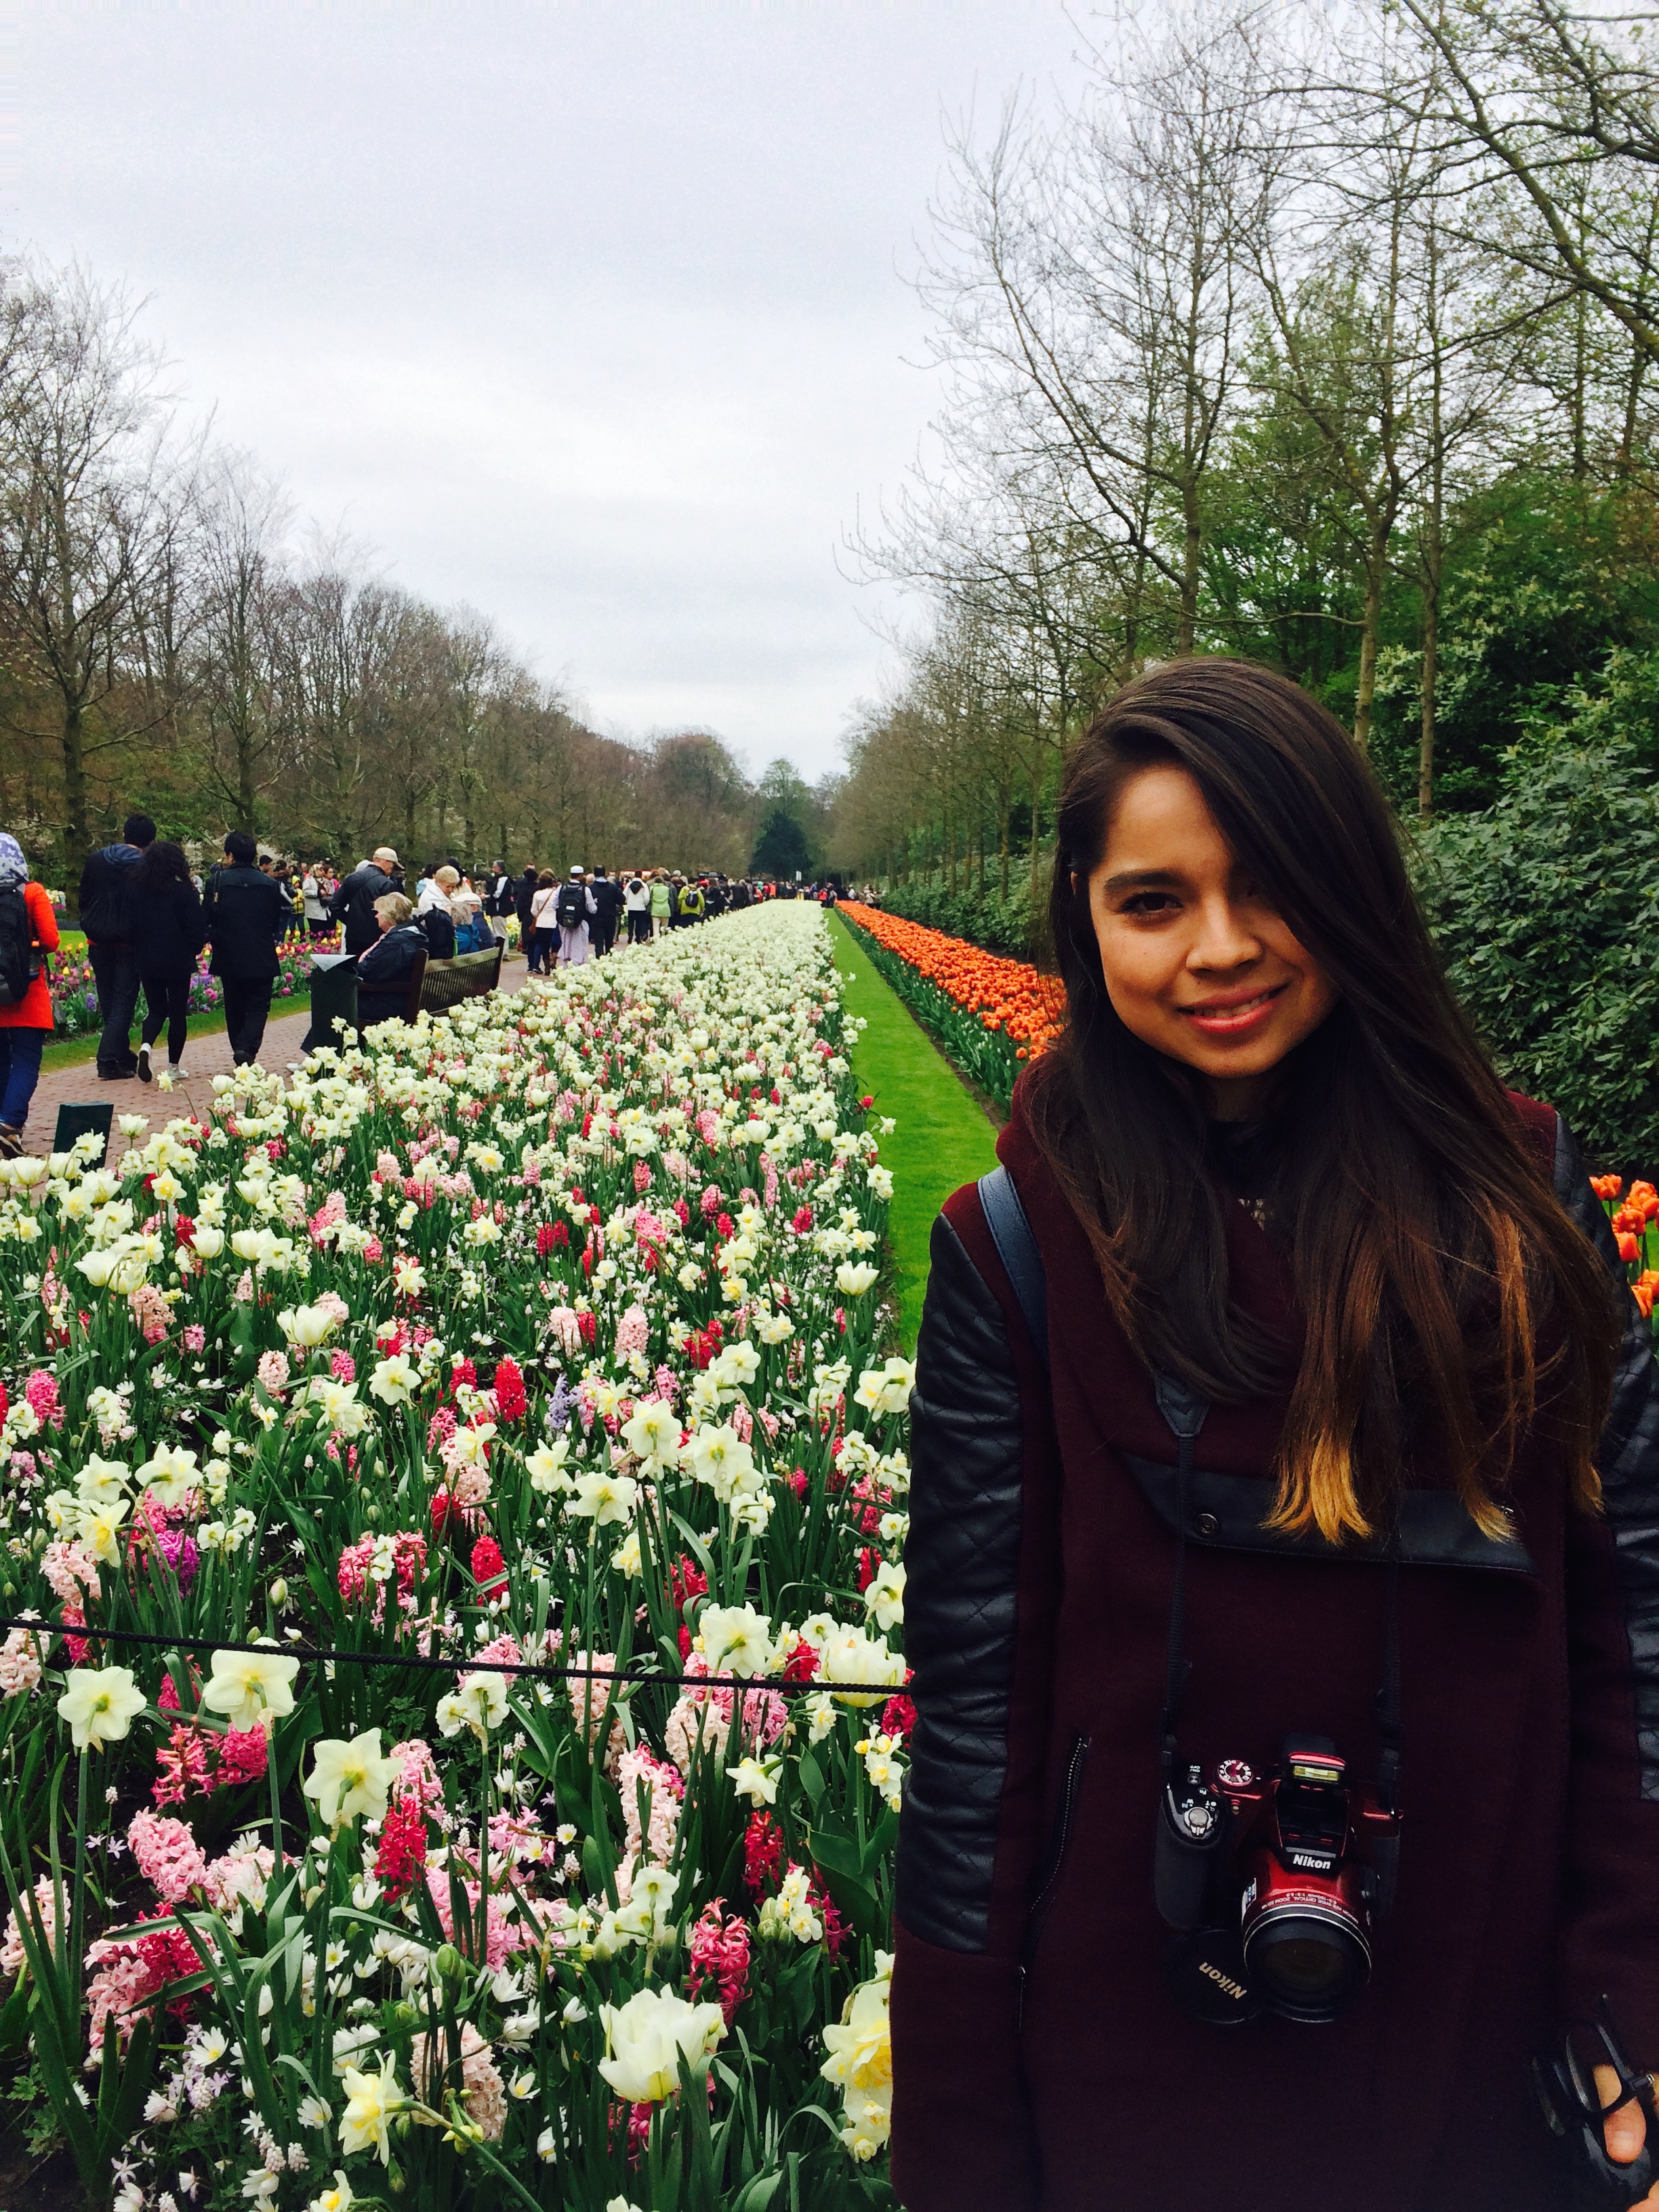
(100, 1704)
(347, 1778)
(246, 1686)
(545, 1466)
(395, 1381)
(603, 1498)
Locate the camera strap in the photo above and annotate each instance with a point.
(1387, 1706)
(1185, 1410)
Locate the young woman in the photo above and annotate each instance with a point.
(544, 926)
(1330, 1421)
(28, 1021)
(168, 931)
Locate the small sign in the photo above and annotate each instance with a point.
(77, 1118)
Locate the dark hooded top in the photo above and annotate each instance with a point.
(1039, 1568)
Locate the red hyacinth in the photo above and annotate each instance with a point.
(898, 1717)
(762, 1850)
(510, 1402)
(401, 1860)
(489, 1566)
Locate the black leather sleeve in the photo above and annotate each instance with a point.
(962, 1565)
(1627, 1461)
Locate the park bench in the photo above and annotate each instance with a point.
(433, 986)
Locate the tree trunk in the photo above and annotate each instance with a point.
(246, 793)
(1431, 670)
(1372, 623)
(78, 830)
(1192, 553)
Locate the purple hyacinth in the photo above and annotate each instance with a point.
(180, 1553)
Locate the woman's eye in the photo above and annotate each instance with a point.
(1148, 902)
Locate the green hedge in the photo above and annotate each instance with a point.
(1010, 925)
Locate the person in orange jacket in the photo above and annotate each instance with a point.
(28, 931)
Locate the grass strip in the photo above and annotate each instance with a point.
(986, 1059)
(943, 1139)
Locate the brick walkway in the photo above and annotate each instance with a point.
(204, 1057)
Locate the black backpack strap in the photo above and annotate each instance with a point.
(1016, 1248)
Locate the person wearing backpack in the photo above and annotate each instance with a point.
(607, 897)
(692, 902)
(28, 931)
(1284, 1533)
(169, 930)
(572, 910)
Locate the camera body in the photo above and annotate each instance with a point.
(1273, 1883)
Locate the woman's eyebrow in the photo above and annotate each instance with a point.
(1142, 878)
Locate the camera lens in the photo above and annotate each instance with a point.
(1310, 1964)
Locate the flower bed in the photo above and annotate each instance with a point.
(544, 1335)
(74, 989)
(992, 1015)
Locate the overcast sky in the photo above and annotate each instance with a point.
(591, 315)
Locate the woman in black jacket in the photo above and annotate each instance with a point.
(169, 930)
(1282, 1553)
(383, 972)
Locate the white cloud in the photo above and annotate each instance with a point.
(587, 314)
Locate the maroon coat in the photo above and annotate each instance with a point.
(1039, 1575)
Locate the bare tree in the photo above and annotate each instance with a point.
(84, 426)
(248, 738)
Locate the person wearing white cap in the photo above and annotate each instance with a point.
(573, 909)
(352, 902)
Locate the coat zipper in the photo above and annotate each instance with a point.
(1043, 1903)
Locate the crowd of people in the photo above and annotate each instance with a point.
(147, 917)
(563, 920)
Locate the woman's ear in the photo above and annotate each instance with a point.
(1074, 883)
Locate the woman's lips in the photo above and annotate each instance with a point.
(1235, 1016)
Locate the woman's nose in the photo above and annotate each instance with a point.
(1223, 938)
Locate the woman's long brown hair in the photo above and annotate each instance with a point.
(1448, 1302)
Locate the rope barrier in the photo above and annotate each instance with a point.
(319, 1654)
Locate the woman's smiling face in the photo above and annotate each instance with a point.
(1196, 961)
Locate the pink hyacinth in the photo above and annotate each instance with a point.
(633, 1333)
(167, 1856)
(342, 1366)
(708, 1125)
(710, 1203)
(770, 1193)
(640, 1773)
(641, 1178)
(195, 1337)
(502, 1936)
(417, 1773)
(719, 1954)
(41, 1391)
(329, 1215)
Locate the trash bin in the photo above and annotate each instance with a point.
(79, 1115)
(333, 993)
